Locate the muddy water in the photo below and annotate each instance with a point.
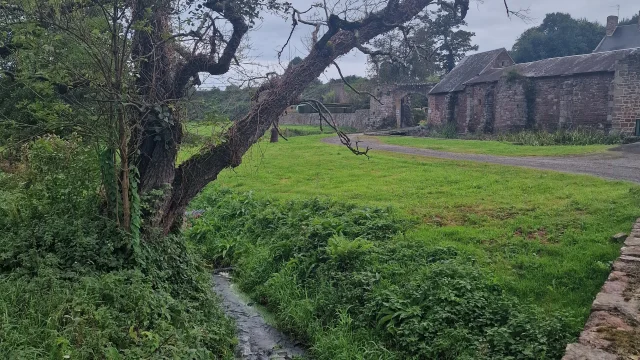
(257, 340)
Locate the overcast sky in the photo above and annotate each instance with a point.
(486, 18)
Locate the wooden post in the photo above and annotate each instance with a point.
(274, 134)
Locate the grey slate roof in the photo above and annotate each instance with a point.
(467, 69)
(625, 37)
(562, 66)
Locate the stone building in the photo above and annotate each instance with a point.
(488, 92)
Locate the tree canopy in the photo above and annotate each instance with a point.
(435, 47)
(558, 35)
(631, 21)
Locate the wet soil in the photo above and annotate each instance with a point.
(257, 340)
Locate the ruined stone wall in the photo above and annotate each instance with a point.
(383, 115)
(479, 106)
(437, 109)
(546, 111)
(626, 94)
(580, 100)
(510, 105)
(358, 120)
(460, 112)
(540, 103)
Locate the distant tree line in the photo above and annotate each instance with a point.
(560, 35)
(215, 105)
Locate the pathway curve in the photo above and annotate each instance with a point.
(621, 163)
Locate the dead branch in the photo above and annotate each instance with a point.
(344, 138)
(352, 88)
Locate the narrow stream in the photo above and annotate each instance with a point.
(257, 340)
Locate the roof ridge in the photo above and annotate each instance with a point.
(571, 56)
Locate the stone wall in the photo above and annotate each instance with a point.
(477, 98)
(579, 100)
(606, 100)
(460, 113)
(358, 120)
(437, 109)
(612, 331)
(510, 105)
(383, 113)
(626, 94)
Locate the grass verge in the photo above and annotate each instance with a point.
(544, 235)
(491, 147)
(351, 283)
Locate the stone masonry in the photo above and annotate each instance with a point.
(612, 332)
(599, 90)
(625, 110)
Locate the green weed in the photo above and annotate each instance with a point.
(346, 280)
(71, 288)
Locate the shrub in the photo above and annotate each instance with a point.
(69, 287)
(348, 281)
(578, 136)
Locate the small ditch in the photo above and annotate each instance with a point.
(257, 340)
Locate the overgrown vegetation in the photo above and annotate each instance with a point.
(543, 235)
(347, 280)
(577, 136)
(490, 147)
(73, 286)
(573, 141)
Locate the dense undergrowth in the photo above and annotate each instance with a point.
(351, 283)
(73, 287)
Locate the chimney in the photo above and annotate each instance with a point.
(612, 24)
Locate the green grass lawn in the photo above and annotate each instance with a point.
(544, 235)
(207, 130)
(491, 147)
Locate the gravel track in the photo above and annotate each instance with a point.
(620, 163)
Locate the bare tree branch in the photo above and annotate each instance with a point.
(352, 88)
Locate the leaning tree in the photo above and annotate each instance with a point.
(141, 59)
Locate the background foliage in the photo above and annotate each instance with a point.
(558, 35)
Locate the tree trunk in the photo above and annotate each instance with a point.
(271, 101)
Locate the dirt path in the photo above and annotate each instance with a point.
(621, 163)
(257, 340)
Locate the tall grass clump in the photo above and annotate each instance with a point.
(577, 136)
(72, 288)
(573, 136)
(349, 282)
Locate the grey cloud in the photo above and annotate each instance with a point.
(486, 18)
